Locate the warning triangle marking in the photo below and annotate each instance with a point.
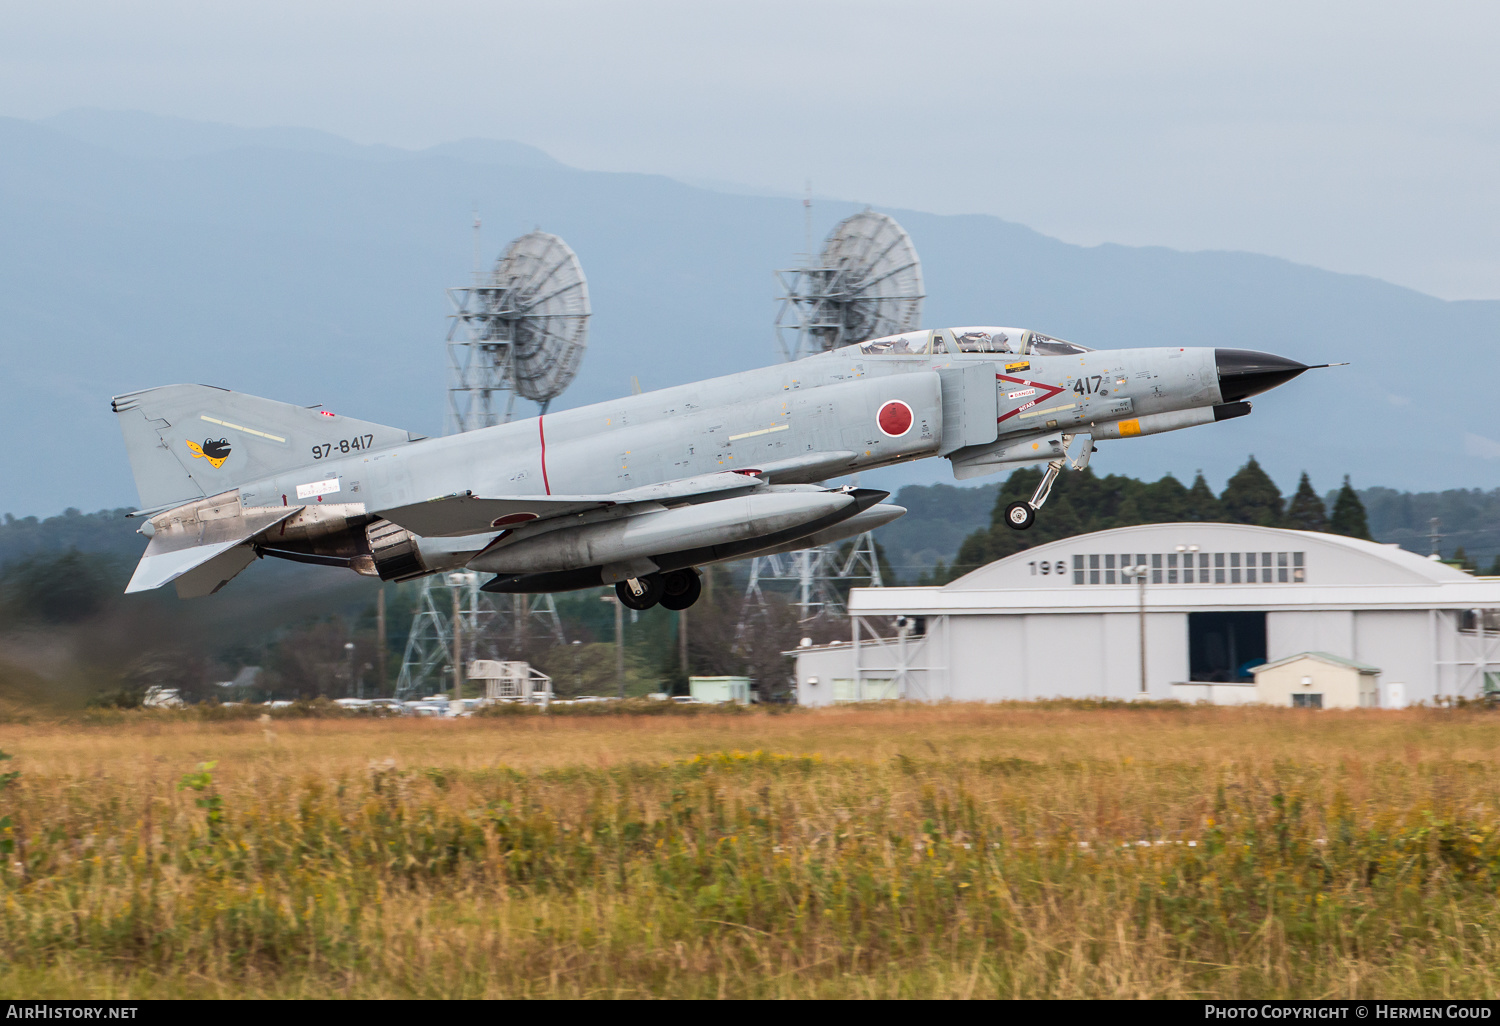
(1050, 390)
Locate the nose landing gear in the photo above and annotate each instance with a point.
(1021, 515)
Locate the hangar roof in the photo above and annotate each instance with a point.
(1327, 558)
(1198, 566)
(1322, 657)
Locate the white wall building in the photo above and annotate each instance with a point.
(720, 690)
(1062, 619)
(1318, 680)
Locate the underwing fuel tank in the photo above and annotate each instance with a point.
(706, 524)
(1173, 420)
(876, 516)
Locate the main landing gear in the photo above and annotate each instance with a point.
(1021, 515)
(675, 589)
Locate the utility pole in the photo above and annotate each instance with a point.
(380, 637)
(682, 641)
(1140, 571)
(620, 645)
(458, 648)
(903, 626)
(619, 640)
(349, 658)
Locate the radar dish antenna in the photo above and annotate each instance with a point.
(519, 330)
(867, 283)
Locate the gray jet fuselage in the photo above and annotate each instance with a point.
(1020, 398)
(824, 403)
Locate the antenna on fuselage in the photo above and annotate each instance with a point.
(807, 224)
(475, 268)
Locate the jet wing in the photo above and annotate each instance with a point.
(808, 467)
(689, 488)
(201, 545)
(455, 516)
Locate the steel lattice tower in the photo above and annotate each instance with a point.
(518, 330)
(866, 283)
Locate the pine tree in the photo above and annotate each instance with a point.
(1200, 504)
(1307, 512)
(1349, 514)
(1161, 502)
(1251, 497)
(1462, 559)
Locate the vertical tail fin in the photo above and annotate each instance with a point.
(189, 442)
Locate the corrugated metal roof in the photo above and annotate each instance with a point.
(1339, 574)
(1326, 657)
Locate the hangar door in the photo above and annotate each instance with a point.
(1222, 647)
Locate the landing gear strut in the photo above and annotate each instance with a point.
(640, 592)
(1021, 515)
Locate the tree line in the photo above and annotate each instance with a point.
(1085, 502)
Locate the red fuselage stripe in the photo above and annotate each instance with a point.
(541, 433)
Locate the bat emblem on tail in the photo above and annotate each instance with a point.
(215, 450)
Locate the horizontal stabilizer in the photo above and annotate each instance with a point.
(196, 544)
(156, 569)
(207, 578)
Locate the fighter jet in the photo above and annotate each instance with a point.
(642, 491)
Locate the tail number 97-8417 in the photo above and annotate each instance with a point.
(343, 445)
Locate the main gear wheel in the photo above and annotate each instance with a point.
(680, 588)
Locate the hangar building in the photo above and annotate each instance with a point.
(1068, 619)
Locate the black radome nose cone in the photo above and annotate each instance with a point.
(1244, 372)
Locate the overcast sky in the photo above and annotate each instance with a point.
(1360, 137)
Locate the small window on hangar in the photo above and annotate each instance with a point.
(1222, 647)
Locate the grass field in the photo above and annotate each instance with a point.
(958, 850)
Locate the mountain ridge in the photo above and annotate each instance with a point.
(157, 136)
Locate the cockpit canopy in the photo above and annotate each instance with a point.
(951, 341)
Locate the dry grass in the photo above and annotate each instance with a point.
(896, 851)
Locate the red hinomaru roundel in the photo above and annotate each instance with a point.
(894, 418)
